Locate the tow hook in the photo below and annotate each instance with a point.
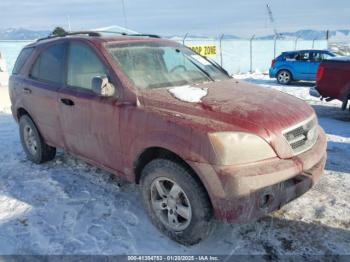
(266, 199)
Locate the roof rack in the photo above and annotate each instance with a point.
(126, 34)
(94, 33)
(149, 35)
(88, 33)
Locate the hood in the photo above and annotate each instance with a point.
(239, 105)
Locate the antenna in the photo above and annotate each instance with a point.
(124, 14)
(272, 20)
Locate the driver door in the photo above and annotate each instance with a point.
(315, 60)
(89, 122)
(302, 66)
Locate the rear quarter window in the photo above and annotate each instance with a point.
(21, 59)
(49, 65)
(290, 56)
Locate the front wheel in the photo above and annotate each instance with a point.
(284, 77)
(176, 202)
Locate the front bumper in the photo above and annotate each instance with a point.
(244, 193)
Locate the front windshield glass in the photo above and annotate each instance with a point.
(156, 65)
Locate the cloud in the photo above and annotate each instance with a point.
(241, 17)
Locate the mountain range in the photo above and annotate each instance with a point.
(334, 35)
(313, 35)
(21, 34)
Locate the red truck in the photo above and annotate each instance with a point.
(333, 80)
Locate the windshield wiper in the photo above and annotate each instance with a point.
(217, 65)
(201, 69)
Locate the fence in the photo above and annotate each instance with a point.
(248, 55)
(235, 55)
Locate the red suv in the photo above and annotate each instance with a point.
(200, 144)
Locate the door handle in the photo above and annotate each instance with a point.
(27, 90)
(67, 102)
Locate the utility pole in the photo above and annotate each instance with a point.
(220, 43)
(251, 53)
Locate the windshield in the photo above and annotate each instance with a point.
(156, 65)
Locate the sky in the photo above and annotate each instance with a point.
(177, 17)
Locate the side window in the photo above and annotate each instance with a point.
(326, 56)
(22, 58)
(49, 66)
(316, 56)
(83, 66)
(303, 56)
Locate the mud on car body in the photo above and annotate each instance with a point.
(237, 153)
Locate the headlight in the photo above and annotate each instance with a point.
(239, 148)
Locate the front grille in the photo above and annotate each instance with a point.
(302, 136)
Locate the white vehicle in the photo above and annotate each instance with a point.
(4, 77)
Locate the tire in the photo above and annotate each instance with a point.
(284, 77)
(32, 142)
(195, 224)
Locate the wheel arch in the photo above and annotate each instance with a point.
(152, 153)
(286, 69)
(21, 112)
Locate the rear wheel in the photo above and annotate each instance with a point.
(284, 77)
(32, 142)
(176, 202)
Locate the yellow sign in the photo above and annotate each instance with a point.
(204, 50)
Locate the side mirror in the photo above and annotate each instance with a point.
(101, 86)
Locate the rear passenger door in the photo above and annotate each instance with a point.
(40, 90)
(90, 122)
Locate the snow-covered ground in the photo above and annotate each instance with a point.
(3, 72)
(69, 207)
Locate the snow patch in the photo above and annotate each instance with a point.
(5, 102)
(189, 93)
(11, 208)
(4, 79)
(4, 76)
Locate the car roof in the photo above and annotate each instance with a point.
(95, 38)
(305, 50)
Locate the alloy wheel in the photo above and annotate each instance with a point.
(171, 204)
(284, 77)
(30, 139)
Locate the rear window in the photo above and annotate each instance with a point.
(49, 66)
(22, 58)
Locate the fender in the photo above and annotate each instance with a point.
(193, 156)
(185, 149)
